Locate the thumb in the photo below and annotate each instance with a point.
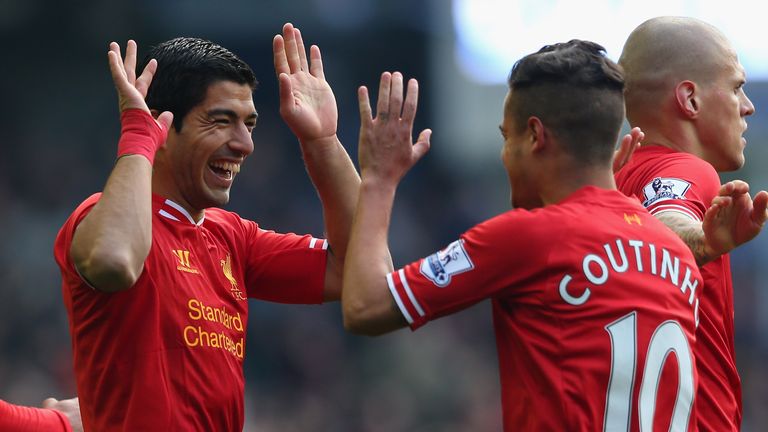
(165, 119)
(422, 144)
(50, 403)
(286, 92)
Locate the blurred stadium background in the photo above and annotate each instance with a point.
(303, 372)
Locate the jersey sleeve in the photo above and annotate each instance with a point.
(493, 259)
(15, 418)
(63, 240)
(284, 268)
(683, 184)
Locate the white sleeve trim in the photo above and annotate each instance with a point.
(398, 300)
(672, 208)
(408, 291)
(312, 243)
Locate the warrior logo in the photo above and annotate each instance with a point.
(183, 258)
(441, 266)
(226, 267)
(661, 189)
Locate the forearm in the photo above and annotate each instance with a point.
(366, 301)
(337, 183)
(111, 243)
(15, 418)
(692, 234)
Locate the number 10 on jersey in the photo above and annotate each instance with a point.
(667, 338)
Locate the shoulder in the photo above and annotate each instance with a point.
(227, 219)
(82, 210)
(656, 160)
(520, 227)
(87, 204)
(658, 173)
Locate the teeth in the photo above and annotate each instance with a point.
(232, 167)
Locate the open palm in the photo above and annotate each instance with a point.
(307, 103)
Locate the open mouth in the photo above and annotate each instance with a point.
(225, 170)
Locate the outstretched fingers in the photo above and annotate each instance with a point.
(291, 48)
(130, 61)
(316, 62)
(303, 63)
(411, 101)
(116, 67)
(365, 107)
(115, 60)
(278, 56)
(396, 95)
(145, 79)
(382, 104)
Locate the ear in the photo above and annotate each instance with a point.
(537, 133)
(687, 98)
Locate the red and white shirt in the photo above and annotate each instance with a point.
(594, 307)
(666, 180)
(167, 353)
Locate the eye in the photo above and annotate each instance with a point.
(221, 121)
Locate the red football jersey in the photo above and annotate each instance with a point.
(594, 307)
(167, 353)
(669, 181)
(15, 418)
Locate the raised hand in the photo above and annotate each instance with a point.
(734, 217)
(387, 150)
(307, 103)
(629, 143)
(131, 90)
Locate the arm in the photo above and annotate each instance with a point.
(386, 153)
(111, 243)
(308, 106)
(15, 418)
(733, 219)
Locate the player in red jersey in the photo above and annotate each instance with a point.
(594, 301)
(55, 416)
(156, 278)
(684, 88)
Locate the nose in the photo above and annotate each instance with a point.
(242, 141)
(747, 107)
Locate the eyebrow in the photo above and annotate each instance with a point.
(230, 113)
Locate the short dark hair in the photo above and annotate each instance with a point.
(186, 67)
(576, 92)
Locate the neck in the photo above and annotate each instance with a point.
(569, 180)
(160, 187)
(680, 137)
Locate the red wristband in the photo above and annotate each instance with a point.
(140, 134)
